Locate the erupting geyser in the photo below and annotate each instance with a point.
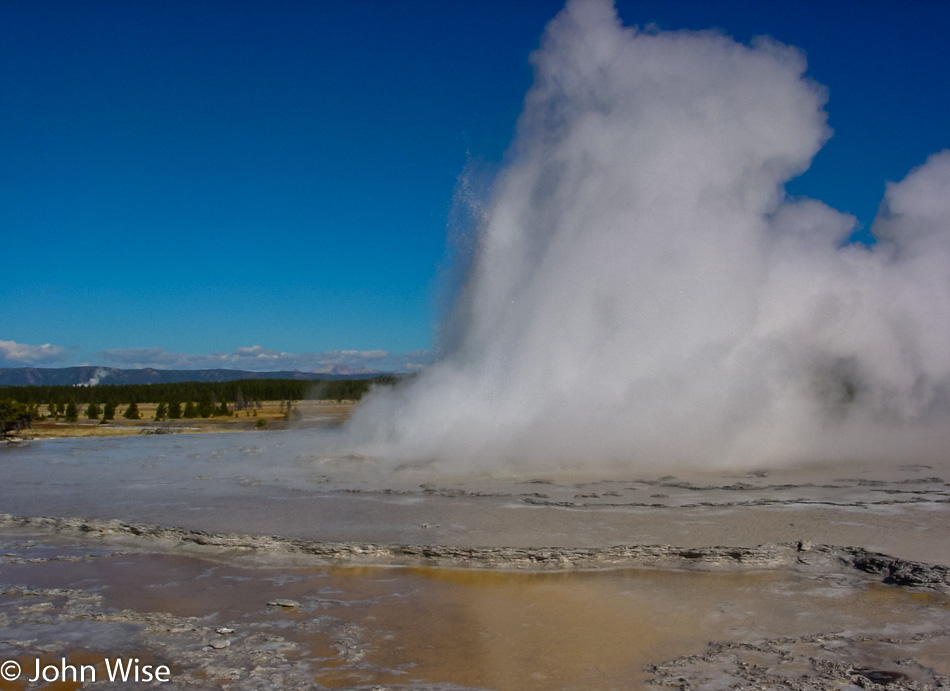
(642, 290)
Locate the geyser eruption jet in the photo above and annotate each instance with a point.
(642, 290)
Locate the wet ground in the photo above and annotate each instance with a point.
(589, 581)
(412, 627)
(279, 483)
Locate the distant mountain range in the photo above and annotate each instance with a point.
(92, 376)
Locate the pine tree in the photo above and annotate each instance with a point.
(205, 404)
(14, 417)
(190, 410)
(108, 411)
(71, 413)
(222, 409)
(132, 412)
(160, 412)
(92, 411)
(174, 410)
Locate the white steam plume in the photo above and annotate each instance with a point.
(642, 291)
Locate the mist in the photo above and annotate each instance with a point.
(642, 292)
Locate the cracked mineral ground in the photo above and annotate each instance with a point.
(251, 562)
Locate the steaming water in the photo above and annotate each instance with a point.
(642, 291)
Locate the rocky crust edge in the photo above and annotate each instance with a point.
(801, 555)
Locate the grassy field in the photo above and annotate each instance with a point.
(308, 414)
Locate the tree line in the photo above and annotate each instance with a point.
(231, 391)
(19, 405)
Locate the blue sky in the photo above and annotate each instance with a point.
(266, 185)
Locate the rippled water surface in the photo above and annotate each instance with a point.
(292, 484)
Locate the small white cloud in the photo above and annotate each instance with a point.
(353, 355)
(21, 353)
(158, 358)
(259, 359)
(255, 352)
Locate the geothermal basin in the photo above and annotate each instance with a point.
(251, 560)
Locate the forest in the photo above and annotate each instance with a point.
(200, 399)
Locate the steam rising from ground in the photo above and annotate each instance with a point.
(642, 291)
